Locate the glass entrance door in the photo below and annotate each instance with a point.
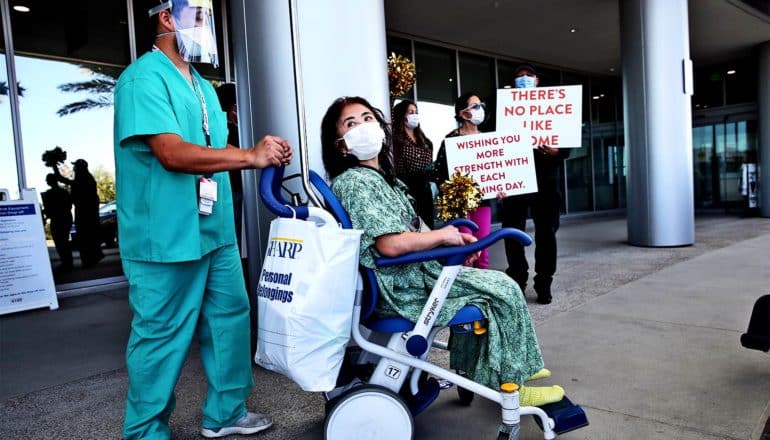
(719, 152)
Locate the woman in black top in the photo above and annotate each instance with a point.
(413, 155)
(469, 114)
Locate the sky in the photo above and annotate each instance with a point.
(84, 135)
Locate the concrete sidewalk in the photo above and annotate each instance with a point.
(645, 339)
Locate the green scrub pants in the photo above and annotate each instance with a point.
(172, 302)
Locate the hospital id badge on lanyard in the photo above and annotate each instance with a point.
(207, 187)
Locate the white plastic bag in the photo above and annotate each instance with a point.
(305, 299)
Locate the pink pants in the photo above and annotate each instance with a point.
(482, 216)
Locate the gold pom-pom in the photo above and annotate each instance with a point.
(401, 74)
(459, 196)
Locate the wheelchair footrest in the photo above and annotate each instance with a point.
(565, 414)
(429, 391)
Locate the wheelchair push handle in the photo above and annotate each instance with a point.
(270, 191)
(455, 255)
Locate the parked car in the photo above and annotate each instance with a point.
(108, 225)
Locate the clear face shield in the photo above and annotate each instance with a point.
(194, 28)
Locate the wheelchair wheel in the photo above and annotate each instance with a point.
(371, 412)
(508, 433)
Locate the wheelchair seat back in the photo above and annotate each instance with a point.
(270, 181)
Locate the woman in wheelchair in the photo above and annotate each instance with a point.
(356, 152)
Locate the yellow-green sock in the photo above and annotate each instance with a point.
(539, 396)
(542, 374)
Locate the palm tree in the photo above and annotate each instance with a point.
(4, 89)
(101, 85)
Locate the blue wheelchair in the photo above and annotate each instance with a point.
(382, 402)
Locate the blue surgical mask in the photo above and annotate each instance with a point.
(525, 82)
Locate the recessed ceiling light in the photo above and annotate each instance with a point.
(731, 72)
(21, 8)
(573, 30)
(612, 69)
(601, 95)
(596, 97)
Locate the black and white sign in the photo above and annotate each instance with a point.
(26, 281)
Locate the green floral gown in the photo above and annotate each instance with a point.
(508, 352)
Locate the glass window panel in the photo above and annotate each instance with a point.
(703, 155)
(622, 166)
(8, 172)
(548, 77)
(571, 79)
(399, 46)
(436, 120)
(93, 30)
(477, 74)
(708, 88)
(69, 56)
(77, 116)
(403, 47)
(436, 74)
(145, 37)
(605, 161)
(604, 99)
(505, 74)
(579, 181)
(741, 82)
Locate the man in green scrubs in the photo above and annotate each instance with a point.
(175, 221)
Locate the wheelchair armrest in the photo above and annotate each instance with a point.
(463, 222)
(455, 255)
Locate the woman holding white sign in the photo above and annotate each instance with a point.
(356, 153)
(545, 206)
(469, 113)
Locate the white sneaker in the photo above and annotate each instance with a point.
(250, 423)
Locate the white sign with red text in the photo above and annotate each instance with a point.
(500, 162)
(553, 116)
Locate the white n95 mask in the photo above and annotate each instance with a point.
(413, 120)
(364, 141)
(477, 116)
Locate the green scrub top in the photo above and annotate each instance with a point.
(158, 218)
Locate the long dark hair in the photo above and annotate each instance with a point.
(398, 114)
(461, 103)
(337, 163)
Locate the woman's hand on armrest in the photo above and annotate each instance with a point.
(468, 239)
(394, 245)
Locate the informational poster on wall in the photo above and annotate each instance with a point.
(26, 281)
(552, 115)
(499, 162)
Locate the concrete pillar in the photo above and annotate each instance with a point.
(764, 128)
(342, 53)
(657, 86)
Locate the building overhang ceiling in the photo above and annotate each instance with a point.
(579, 35)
